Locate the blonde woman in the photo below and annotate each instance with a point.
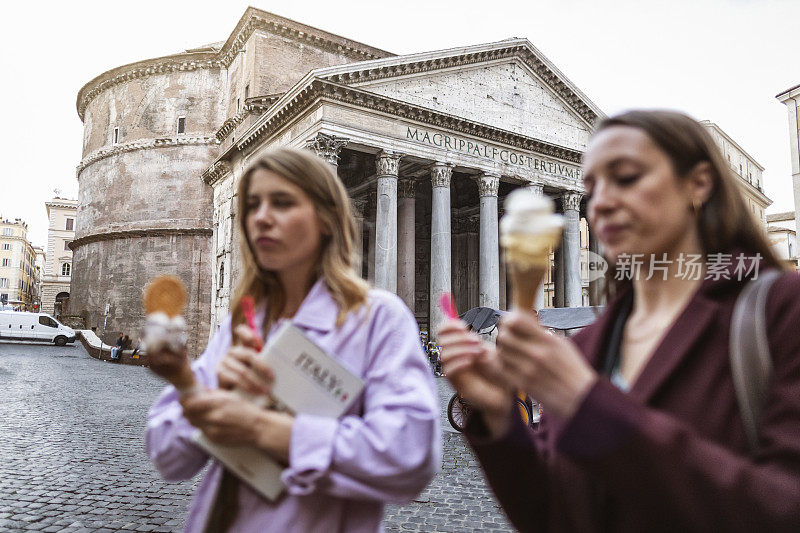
(297, 235)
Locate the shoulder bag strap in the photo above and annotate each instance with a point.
(751, 363)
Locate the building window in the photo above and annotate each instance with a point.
(790, 251)
(181, 125)
(66, 246)
(246, 92)
(8, 232)
(3, 283)
(70, 224)
(6, 262)
(238, 104)
(116, 135)
(6, 246)
(221, 281)
(65, 269)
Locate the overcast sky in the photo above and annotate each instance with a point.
(721, 60)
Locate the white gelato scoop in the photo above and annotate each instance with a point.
(529, 228)
(162, 332)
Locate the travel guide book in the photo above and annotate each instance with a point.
(307, 380)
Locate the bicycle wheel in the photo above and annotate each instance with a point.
(458, 412)
(524, 412)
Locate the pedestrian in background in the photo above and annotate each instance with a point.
(642, 430)
(115, 351)
(297, 235)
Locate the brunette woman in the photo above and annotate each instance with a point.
(642, 430)
(297, 235)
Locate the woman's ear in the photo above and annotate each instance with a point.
(700, 183)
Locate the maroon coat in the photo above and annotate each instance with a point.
(671, 454)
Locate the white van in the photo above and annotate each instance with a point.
(16, 325)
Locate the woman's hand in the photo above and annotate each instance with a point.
(172, 366)
(227, 418)
(473, 368)
(547, 367)
(242, 368)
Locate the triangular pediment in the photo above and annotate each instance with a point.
(504, 95)
(508, 85)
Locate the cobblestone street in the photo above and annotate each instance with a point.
(72, 455)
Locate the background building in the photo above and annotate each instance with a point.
(428, 146)
(17, 265)
(783, 237)
(747, 169)
(150, 130)
(791, 98)
(62, 218)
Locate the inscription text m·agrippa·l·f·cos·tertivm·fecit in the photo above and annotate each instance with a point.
(443, 140)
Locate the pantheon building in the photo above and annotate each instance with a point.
(427, 144)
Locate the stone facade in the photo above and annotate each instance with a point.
(150, 129)
(783, 237)
(791, 98)
(428, 146)
(748, 172)
(17, 266)
(55, 283)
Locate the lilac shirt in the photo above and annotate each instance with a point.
(386, 448)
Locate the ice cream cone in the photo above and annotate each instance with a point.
(529, 231)
(524, 284)
(163, 300)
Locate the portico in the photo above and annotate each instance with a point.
(428, 166)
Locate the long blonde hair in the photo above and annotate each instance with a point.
(332, 205)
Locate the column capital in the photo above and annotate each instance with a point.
(488, 184)
(406, 188)
(387, 163)
(441, 174)
(537, 189)
(572, 200)
(327, 147)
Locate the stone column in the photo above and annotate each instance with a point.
(359, 204)
(489, 270)
(440, 240)
(558, 276)
(473, 256)
(327, 147)
(537, 189)
(372, 200)
(386, 166)
(573, 290)
(406, 248)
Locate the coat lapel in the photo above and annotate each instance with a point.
(690, 326)
(592, 339)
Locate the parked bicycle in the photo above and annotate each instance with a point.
(458, 411)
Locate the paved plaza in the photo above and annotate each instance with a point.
(72, 455)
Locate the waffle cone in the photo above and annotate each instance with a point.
(165, 294)
(528, 259)
(525, 282)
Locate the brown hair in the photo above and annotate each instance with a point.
(318, 180)
(724, 223)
